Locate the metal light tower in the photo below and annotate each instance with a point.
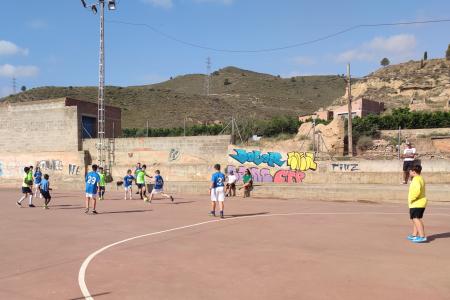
(101, 145)
(208, 76)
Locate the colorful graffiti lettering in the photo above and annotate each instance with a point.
(301, 161)
(258, 175)
(288, 176)
(345, 167)
(255, 156)
(74, 169)
(1, 168)
(53, 165)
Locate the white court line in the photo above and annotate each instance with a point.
(83, 268)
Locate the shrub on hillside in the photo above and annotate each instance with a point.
(364, 143)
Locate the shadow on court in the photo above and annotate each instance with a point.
(124, 211)
(444, 235)
(94, 295)
(246, 215)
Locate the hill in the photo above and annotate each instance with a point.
(233, 91)
(415, 84)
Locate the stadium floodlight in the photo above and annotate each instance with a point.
(84, 3)
(94, 9)
(112, 4)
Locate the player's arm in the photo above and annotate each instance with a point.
(414, 191)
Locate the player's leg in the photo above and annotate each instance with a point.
(94, 204)
(420, 227)
(126, 192)
(24, 195)
(221, 199)
(88, 200)
(167, 196)
(30, 198)
(213, 202)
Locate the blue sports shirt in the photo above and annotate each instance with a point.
(92, 179)
(128, 180)
(159, 182)
(37, 177)
(44, 185)
(218, 179)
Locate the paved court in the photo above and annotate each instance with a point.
(264, 249)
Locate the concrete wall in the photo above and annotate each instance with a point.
(178, 158)
(64, 168)
(302, 168)
(415, 133)
(44, 126)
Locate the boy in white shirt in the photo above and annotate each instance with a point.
(409, 155)
(231, 185)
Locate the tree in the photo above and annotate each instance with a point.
(385, 62)
(447, 54)
(23, 88)
(425, 55)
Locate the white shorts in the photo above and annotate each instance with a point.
(157, 191)
(218, 194)
(90, 195)
(128, 188)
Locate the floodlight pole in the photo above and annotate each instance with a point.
(350, 110)
(101, 90)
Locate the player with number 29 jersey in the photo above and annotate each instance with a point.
(92, 180)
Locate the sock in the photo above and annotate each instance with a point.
(213, 212)
(21, 199)
(221, 212)
(30, 200)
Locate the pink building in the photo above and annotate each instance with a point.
(360, 108)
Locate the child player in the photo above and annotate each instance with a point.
(37, 181)
(26, 188)
(217, 191)
(92, 181)
(44, 187)
(159, 187)
(128, 185)
(101, 183)
(417, 203)
(140, 180)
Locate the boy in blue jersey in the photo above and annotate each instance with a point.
(128, 185)
(44, 187)
(217, 191)
(92, 183)
(37, 181)
(159, 187)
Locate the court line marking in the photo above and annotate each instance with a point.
(82, 272)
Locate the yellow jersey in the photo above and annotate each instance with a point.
(416, 195)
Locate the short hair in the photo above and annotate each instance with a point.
(26, 169)
(231, 172)
(129, 171)
(31, 167)
(94, 168)
(144, 167)
(100, 168)
(157, 172)
(417, 169)
(138, 163)
(217, 167)
(46, 176)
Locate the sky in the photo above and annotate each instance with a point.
(55, 42)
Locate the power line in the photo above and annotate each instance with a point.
(326, 37)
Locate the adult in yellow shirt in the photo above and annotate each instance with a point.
(417, 203)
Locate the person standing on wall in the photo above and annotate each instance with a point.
(409, 155)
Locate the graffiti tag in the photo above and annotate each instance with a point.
(255, 156)
(174, 154)
(74, 169)
(1, 168)
(53, 165)
(288, 176)
(258, 175)
(345, 167)
(301, 161)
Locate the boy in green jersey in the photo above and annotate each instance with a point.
(101, 183)
(140, 181)
(26, 188)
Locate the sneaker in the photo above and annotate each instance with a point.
(86, 211)
(146, 199)
(94, 212)
(171, 198)
(45, 206)
(19, 204)
(419, 239)
(411, 237)
(31, 205)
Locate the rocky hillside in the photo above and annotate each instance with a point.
(233, 91)
(421, 86)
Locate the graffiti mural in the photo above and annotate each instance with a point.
(288, 176)
(174, 154)
(258, 175)
(1, 168)
(50, 165)
(74, 169)
(301, 161)
(345, 167)
(272, 159)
